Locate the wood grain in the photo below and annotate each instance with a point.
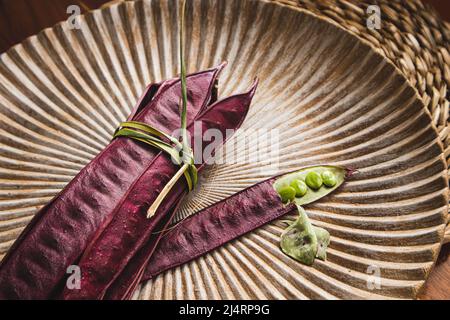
(22, 18)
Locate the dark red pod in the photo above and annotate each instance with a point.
(129, 230)
(60, 232)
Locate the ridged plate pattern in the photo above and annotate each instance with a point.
(333, 100)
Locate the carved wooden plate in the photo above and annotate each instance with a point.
(332, 98)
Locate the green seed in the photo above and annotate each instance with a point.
(287, 194)
(313, 180)
(329, 179)
(300, 187)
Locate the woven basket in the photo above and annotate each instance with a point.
(413, 37)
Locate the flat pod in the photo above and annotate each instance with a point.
(299, 240)
(311, 194)
(323, 237)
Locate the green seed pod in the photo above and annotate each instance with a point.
(287, 194)
(323, 240)
(300, 188)
(314, 180)
(329, 179)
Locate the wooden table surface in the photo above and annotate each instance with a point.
(20, 19)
